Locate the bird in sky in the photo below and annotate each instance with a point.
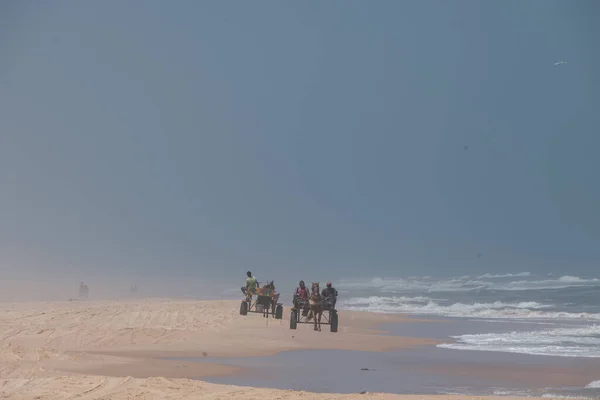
(559, 63)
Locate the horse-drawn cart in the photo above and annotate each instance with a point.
(265, 301)
(300, 314)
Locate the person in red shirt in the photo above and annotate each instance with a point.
(301, 294)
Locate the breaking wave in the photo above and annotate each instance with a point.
(465, 284)
(593, 385)
(564, 342)
(494, 276)
(517, 298)
(497, 309)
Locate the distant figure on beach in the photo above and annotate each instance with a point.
(251, 285)
(133, 288)
(83, 291)
(330, 294)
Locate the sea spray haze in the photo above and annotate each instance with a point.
(298, 140)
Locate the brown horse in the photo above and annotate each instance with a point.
(270, 289)
(274, 299)
(314, 301)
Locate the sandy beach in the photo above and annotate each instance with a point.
(116, 349)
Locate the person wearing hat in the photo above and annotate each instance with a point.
(330, 294)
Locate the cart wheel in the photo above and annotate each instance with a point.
(293, 319)
(244, 308)
(279, 311)
(334, 321)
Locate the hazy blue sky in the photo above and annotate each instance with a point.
(193, 138)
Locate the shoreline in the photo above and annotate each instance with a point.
(116, 349)
(412, 370)
(367, 328)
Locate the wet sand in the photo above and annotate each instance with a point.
(420, 370)
(412, 371)
(113, 349)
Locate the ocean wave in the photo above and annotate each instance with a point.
(386, 284)
(376, 300)
(593, 385)
(563, 342)
(563, 282)
(465, 284)
(493, 276)
(497, 310)
(515, 321)
(423, 284)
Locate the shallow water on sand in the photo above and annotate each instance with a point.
(415, 371)
(424, 370)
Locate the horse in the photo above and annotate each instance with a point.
(314, 301)
(274, 297)
(269, 290)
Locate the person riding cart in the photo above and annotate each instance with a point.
(312, 306)
(251, 285)
(329, 295)
(301, 294)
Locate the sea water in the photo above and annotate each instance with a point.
(564, 309)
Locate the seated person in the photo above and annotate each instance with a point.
(251, 285)
(329, 295)
(301, 294)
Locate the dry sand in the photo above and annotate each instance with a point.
(111, 349)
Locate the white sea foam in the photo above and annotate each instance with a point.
(426, 305)
(560, 283)
(386, 284)
(516, 321)
(492, 276)
(547, 301)
(466, 284)
(423, 284)
(565, 342)
(377, 300)
(593, 385)
(512, 393)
